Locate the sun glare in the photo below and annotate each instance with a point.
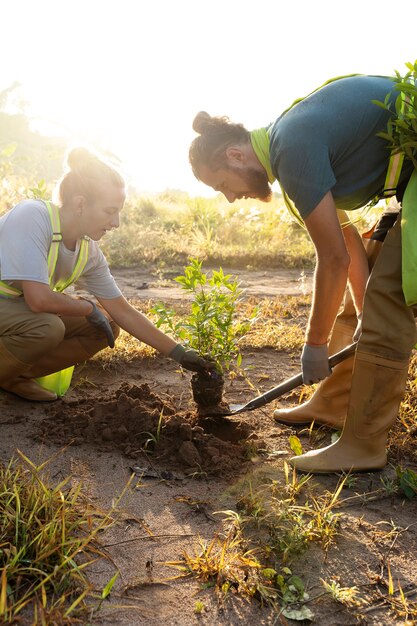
(129, 77)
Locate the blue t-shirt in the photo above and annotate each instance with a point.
(328, 142)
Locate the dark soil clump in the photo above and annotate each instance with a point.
(134, 419)
(207, 390)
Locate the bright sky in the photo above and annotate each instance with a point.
(130, 75)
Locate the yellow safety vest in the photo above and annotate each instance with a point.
(13, 292)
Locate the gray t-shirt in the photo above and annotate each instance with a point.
(328, 141)
(25, 239)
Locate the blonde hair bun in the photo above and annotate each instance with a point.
(80, 157)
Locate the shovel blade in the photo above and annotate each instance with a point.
(223, 411)
(236, 408)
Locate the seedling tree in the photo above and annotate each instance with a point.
(210, 327)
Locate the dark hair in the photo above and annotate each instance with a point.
(216, 134)
(85, 176)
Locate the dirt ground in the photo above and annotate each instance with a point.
(106, 426)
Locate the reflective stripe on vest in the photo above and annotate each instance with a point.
(13, 292)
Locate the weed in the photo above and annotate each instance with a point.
(344, 595)
(199, 607)
(407, 482)
(153, 439)
(48, 536)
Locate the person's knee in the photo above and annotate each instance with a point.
(40, 334)
(96, 340)
(51, 330)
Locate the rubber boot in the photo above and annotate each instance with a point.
(378, 386)
(328, 404)
(13, 379)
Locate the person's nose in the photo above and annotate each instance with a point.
(115, 221)
(230, 196)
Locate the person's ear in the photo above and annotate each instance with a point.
(78, 203)
(235, 155)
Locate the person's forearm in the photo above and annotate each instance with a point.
(138, 325)
(359, 268)
(145, 331)
(41, 299)
(330, 280)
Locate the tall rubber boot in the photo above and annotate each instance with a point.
(328, 403)
(13, 378)
(378, 387)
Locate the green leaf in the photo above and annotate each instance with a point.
(107, 589)
(303, 613)
(295, 445)
(408, 482)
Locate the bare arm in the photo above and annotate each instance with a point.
(41, 299)
(331, 273)
(358, 268)
(137, 324)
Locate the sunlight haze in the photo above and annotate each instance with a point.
(129, 76)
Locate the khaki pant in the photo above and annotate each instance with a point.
(30, 336)
(388, 327)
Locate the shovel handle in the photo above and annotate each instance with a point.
(297, 380)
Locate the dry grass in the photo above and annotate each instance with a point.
(48, 537)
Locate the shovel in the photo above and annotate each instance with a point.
(284, 387)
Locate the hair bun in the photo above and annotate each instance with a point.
(202, 122)
(79, 157)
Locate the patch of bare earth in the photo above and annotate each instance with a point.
(139, 416)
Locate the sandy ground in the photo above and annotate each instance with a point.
(100, 430)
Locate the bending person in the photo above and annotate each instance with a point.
(328, 158)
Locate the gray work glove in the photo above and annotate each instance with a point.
(358, 330)
(99, 320)
(190, 360)
(315, 363)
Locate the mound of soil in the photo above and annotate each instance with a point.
(135, 419)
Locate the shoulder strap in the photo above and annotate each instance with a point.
(56, 238)
(54, 249)
(13, 292)
(78, 269)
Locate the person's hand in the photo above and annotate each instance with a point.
(315, 363)
(99, 320)
(190, 360)
(358, 330)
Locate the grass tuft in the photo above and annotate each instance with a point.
(48, 537)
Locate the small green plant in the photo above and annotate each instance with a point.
(153, 439)
(40, 191)
(199, 607)
(211, 327)
(407, 482)
(349, 596)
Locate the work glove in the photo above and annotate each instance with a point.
(190, 360)
(358, 330)
(315, 363)
(99, 320)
